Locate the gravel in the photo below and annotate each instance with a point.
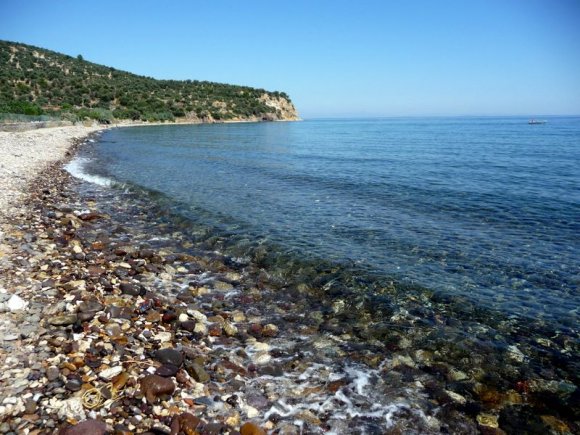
(24, 154)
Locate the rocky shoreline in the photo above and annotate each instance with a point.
(89, 348)
(114, 322)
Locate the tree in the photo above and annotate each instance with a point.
(80, 57)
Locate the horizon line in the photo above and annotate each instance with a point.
(436, 116)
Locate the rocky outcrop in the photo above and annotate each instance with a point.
(276, 108)
(285, 110)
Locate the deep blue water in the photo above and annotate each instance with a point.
(486, 208)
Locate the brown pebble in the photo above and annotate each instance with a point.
(153, 316)
(169, 316)
(270, 330)
(255, 329)
(120, 380)
(250, 428)
(30, 407)
(86, 427)
(153, 386)
(215, 330)
(91, 216)
(98, 246)
(188, 325)
(185, 423)
(182, 377)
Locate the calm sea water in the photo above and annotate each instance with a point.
(484, 208)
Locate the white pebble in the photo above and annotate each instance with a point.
(200, 317)
(110, 373)
(16, 303)
(163, 337)
(200, 328)
(10, 401)
(262, 357)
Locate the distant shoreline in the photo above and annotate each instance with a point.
(240, 121)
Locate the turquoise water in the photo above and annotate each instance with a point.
(487, 209)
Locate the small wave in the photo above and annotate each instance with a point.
(76, 168)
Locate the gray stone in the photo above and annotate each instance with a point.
(30, 407)
(169, 356)
(197, 372)
(63, 320)
(52, 373)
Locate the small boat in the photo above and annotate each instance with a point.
(536, 121)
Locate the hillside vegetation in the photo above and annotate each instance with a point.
(35, 81)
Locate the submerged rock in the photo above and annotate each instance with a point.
(251, 429)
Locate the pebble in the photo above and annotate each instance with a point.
(73, 384)
(110, 373)
(16, 303)
(52, 373)
(153, 386)
(197, 372)
(86, 427)
(131, 289)
(230, 329)
(169, 356)
(63, 320)
(167, 370)
(163, 336)
(201, 328)
(250, 428)
(195, 314)
(185, 423)
(30, 406)
(270, 330)
(488, 420)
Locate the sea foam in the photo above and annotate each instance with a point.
(76, 168)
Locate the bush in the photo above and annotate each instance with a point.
(103, 116)
(132, 114)
(159, 116)
(23, 107)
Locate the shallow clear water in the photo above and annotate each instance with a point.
(483, 208)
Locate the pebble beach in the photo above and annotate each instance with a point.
(112, 321)
(45, 324)
(92, 341)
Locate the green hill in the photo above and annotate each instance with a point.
(35, 81)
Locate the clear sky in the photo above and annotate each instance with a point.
(334, 58)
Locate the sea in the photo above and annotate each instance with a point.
(468, 226)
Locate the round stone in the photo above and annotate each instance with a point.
(73, 384)
(52, 373)
(167, 370)
(169, 356)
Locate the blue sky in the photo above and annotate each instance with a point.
(334, 58)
